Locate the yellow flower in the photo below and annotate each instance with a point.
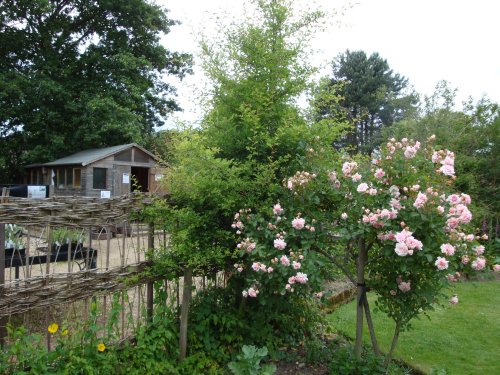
(53, 328)
(101, 347)
(65, 332)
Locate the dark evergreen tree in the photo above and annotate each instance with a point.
(372, 96)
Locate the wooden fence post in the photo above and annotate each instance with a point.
(149, 290)
(3, 331)
(186, 299)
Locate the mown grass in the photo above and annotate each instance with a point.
(463, 339)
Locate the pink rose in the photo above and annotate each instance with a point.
(379, 173)
(401, 249)
(279, 244)
(447, 249)
(441, 263)
(277, 210)
(454, 300)
(285, 261)
(295, 265)
(404, 286)
(479, 264)
(298, 223)
(496, 267)
(301, 278)
(362, 187)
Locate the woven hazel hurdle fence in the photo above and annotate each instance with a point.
(46, 284)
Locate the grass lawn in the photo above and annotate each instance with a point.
(463, 339)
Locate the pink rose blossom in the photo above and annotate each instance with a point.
(393, 292)
(284, 260)
(296, 265)
(291, 280)
(479, 263)
(379, 173)
(401, 249)
(447, 170)
(301, 278)
(447, 249)
(440, 210)
(496, 267)
(270, 269)
(252, 292)
(344, 216)
(441, 263)
(479, 250)
(298, 223)
(454, 300)
(356, 177)
(404, 286)
(277, 210)
(279, 244)
(420, 201)
(256, 266)
(362, 187)
(372, 191)
(465, 259)
(244, 293)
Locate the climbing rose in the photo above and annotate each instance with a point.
(362, 187)
(284, 260)
(441, 263)
(404, 286)
(298, 223)
(277, 210)
(479, 264)
(447, 249)
(301, 278)
(279, 244)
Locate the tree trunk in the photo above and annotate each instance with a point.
(388, 358)
(186, 300)
(361, 295)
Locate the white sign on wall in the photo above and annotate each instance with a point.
(158, 177)
(37, 192)
(105, 194)
(126, 178)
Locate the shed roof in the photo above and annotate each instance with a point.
(87, 157)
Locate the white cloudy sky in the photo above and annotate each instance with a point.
(424, 40)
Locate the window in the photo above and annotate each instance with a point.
(77, 177)
(99, 180)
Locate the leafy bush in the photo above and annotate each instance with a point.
(248, 363)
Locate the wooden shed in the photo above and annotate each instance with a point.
(102, 172)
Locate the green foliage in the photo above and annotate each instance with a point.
(248, 363)
(77, 75)
(66, 235)
(344, 362)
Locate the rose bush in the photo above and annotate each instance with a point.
(392, 224)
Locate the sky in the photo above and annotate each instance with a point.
(424, 40)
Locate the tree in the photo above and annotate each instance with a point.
(81, 74)
(373, 96)
(258, 73)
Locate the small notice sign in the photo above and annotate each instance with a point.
(126, 178)
(105, 194)
(37, 192)
(158, 177)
